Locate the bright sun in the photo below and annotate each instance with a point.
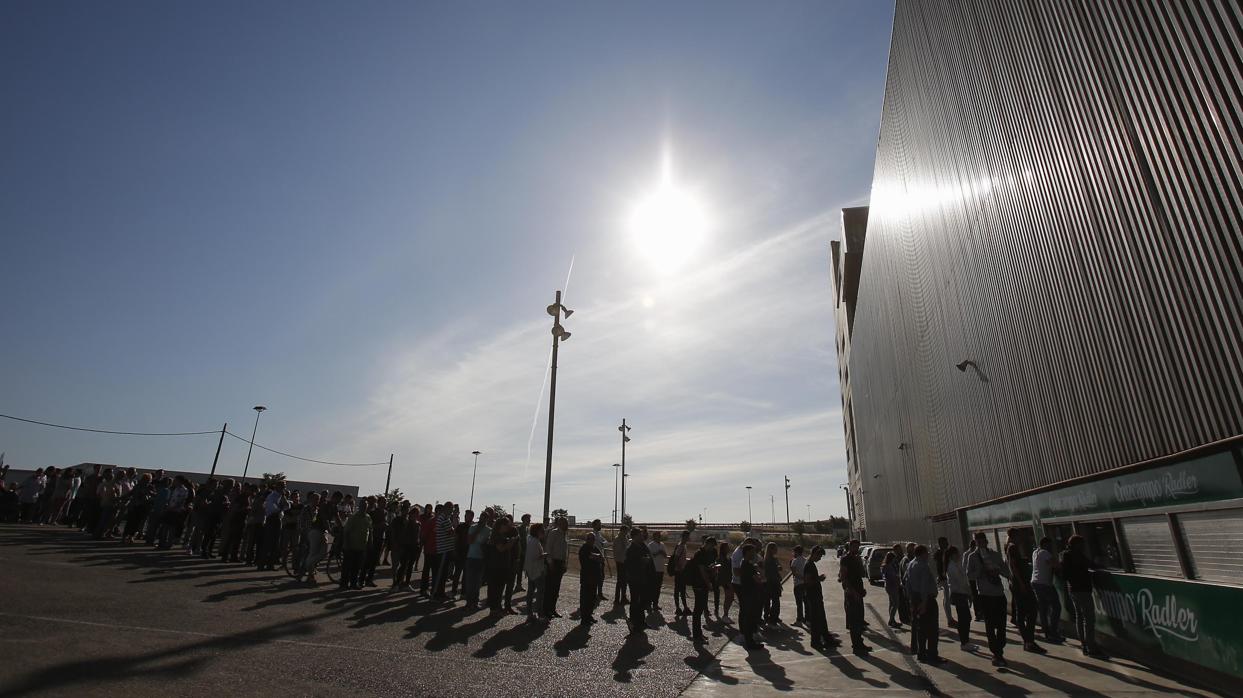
(669, 224)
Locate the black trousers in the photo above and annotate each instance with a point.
(994, 622)
(1025, 612)
(638, 606)
(924, 627)
(405, 564)
(552, 586)
(351, 568)
(211, 527)
(701, 610)
(587, 596)
(749, 613)
(854, 618)
(497, 579)
(962, 614)
(798, 604)
(429, 568)
(619, 593)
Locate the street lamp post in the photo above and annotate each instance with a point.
(850, 507)
(749, 518)
(787, 502)
(772, 508)
(616, 484)
(559, 333)
(259, 409)
(809, 513)
(625, 434)
(473, 473)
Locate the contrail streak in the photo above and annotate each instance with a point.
(539, 400)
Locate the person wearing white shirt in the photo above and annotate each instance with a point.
(960, 596)
(535, 566)
(558, 549)
(796, 571)
(619, 560)
(660, 558)
(1049, 605)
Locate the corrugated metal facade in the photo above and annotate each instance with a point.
(1057, 200)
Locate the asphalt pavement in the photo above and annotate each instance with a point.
(83, 617)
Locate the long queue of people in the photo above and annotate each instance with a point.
(973, 586)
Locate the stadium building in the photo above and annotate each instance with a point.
(1040, 315)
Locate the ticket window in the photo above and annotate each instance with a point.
(1102, 543)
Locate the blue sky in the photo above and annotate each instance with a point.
(356, 213)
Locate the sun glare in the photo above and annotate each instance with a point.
(668, 225)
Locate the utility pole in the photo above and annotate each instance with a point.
(259, 409)
(472, 480)
(388, 479)
(216, 460)
(772, 508)
(787, 501)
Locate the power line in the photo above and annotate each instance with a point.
(290, 455)
(109, 431)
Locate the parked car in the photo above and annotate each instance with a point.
(875, 560)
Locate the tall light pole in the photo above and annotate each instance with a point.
(787, 501)
(473, 473)
(259, 409)
(616, 484)
(559, 333)
(625, 434)
(749, 519)
(809, 513)
(850, 508)
(772, 508)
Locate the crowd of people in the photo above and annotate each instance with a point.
(457, 556)
(972, 587)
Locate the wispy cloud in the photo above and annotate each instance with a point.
(706, 367)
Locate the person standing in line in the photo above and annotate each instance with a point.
(638, 565)
(376, 511)
(524, 531)
(498, 562)
(461, 546)
(90, 500)
(535, 565)
(986, 568)
(619, 559)
(596, 529)
(813, 600)
(1077, 569)
(943, 544)
(446, 526)
(772, 586)
(234, 523)
(905, 557)
(700, 576)
(479, 535)
(796, 572)
(139, 508)
(427, 536)
(921, 585)
(109, 493)
(960, 596)
(558, 548)
(681, 608)
(274, 507)
(173, 518)
(750, 585)
(327, 519)
(892, 578)
(976, 608)
(1049, 605)
(357, 539)
(852, 574)
(591, 570)
(407, 551)
(660, 561)
(723, 580)
(735, 578)
(213, 516)
(1021, 594)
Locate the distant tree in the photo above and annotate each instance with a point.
(745, 526)
(559, 512)
(394, 496)
(822, 526)
(628, 520)
(270, 479)
(799, 527)
(498, 510)
(690, 525)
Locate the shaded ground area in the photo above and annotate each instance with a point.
(789, 666)
(81, 617)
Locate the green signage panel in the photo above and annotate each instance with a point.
(1208, 479)
(1188, 620)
